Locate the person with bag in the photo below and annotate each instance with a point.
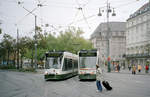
(98, 78)
(106, 85)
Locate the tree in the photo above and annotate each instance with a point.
(27, 45)
(69, 40)
(0, 30)
(2, 53)
(7, 46)
(72, 40)
(14, 51)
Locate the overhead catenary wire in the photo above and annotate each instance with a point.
(53, 1)
(79, 20)
(80, 8)
(84, 18)
(122, 5)
(29, 12)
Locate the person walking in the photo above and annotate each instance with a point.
(139, 68)
(129, 67)
(118, 67)
(134, 69)
(146, 68)
(98, 78)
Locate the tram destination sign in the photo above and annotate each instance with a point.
(54, 54)
(87, 54)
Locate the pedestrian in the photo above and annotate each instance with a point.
(98, 78)
(139, 68)
(134, 69)
(146, 68)
(118, 67)
(129, 66)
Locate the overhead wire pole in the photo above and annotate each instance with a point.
(35, 37)
(17, 48)
(35, 42)
(31, 12)
(108, 37)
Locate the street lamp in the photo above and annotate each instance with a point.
(108, 11)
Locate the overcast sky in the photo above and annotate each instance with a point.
(60, 14)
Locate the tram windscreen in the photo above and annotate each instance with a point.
(53, 62)
(87, 62)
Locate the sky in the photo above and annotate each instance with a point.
(60, 14)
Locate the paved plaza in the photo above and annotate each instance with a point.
(19, 84)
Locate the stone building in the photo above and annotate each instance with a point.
(138, 36)
(117, 42)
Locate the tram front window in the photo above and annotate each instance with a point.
(53, 62)
(87, 62)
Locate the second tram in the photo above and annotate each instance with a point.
(87, 64)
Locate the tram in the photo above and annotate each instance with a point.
(60, 65)
(87, 64)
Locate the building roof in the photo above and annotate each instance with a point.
(142, 10)
(114, 27)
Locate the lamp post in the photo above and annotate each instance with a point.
(40, 4)
(17, 48)
(108, 11)
(35, 42)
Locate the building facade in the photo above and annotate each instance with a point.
(138, 36)
(117, 42)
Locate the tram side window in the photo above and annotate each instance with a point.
(47, 64)
(65, 67)
(75, 64)
(82, 62)
(69, 64)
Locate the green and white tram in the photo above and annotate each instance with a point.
(60, 65)
(87, 64)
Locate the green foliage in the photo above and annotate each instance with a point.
(8, 67)
(72, 41)
(6, 47)
(69, 40)
(0, 30)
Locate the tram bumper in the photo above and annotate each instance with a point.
(52, 77)
(87, 76)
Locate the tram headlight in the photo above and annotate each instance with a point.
(46, 73)
(82, 72)
(92, 73)
(57, 72)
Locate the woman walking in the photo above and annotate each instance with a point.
(134, 69)
(98, 78)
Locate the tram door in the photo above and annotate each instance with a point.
(72, 61)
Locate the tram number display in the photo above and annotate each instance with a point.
(87, 54)
(53, 54)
